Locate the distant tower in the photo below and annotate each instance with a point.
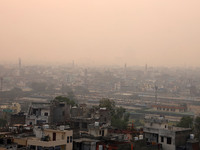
(125, 71)
(20, 64)
(1, 83)
(85, 77)
(73, 63)
(146, 67)
(156, 93)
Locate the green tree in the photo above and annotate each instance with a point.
(185, 122)
(65, 99)
(119, 117)
(137, 123)
(108, 104)
(3, 122)
(197, 127)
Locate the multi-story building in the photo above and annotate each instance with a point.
(38, 113)
(48, 112)
(157, 130)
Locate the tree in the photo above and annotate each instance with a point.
(119, 117)
(197, 127)
(3, 122)
(66, 100)
(137, 123)
(186, 122)
(108, 104)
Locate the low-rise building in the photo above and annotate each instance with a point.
(48, 139)
(169, 108)
(98, 130)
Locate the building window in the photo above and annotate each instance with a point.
(165, 126)
(46, 114)
(105, 119)
(68, 139)
(102, 132)
(63, 113)
(169, 140)
(99, 132)
(54, 136)
(162, 139)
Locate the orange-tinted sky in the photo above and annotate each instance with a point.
(136, 32)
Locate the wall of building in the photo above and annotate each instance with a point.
(17, 119)
(182, 137)
(157, 125)
(60, 112)
(165, 145)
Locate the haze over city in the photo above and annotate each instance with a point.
(104, 32)
(99, 75)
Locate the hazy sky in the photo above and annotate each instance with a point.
(136, 32)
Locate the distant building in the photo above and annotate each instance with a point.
(169, 108)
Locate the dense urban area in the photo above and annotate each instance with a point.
(76, 107)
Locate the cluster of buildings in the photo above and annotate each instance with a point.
(57, 125)
(143, 91)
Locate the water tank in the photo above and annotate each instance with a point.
(46, 126)
(136, 138)
(141, 137)
(62, 128)
(100, 147)
(96, 124)
(192, 136)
